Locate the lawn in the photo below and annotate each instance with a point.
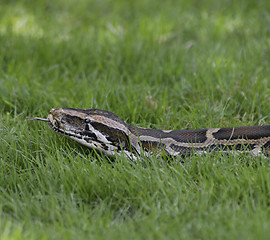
(160, 64)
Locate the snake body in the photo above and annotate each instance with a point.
(104, 131)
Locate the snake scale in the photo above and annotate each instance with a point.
(104, 131)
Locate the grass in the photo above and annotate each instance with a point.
(170, 65)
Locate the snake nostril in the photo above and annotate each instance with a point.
(52, 110)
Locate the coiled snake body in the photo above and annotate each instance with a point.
(103, 130)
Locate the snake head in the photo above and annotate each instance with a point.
(94, 128)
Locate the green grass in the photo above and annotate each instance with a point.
(160, 64)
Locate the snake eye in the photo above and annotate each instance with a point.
(87, 120)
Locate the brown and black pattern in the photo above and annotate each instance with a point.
(249, 132)
(105, 131)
